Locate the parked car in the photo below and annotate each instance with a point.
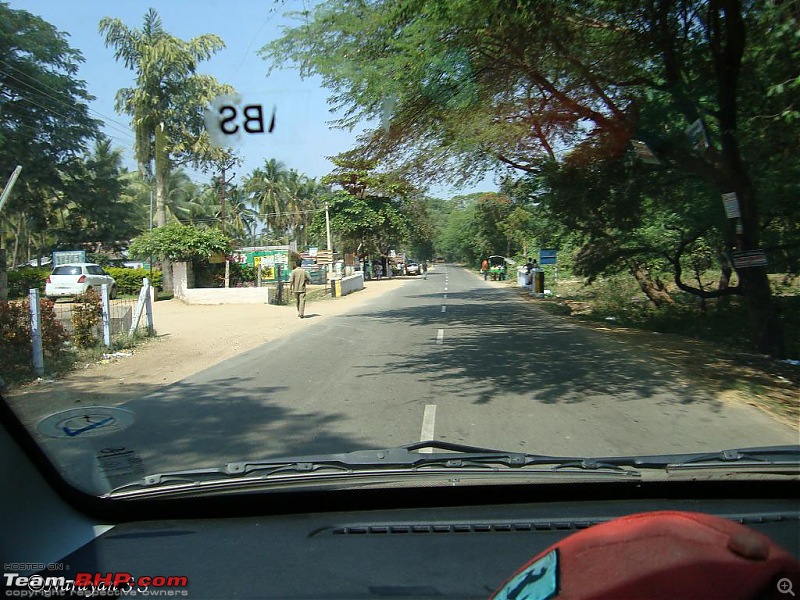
(76, 278)
(412, 268)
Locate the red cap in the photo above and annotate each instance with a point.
(661, 555)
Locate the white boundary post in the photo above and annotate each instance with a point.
(148, 306)
(106, 315)
(36, 332)
(144, 304)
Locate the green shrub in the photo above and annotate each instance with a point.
(129, 281)
(24, 279)
(16, 349)
(212, 275)
(87, 311)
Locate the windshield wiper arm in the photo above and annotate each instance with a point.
(458, 456)
(405, 458)
(765, 456)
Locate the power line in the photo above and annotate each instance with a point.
(122, 128)
(55, 112)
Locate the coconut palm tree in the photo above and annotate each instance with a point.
(167, 98)
(267, 191)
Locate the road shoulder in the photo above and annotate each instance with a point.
(189, 339)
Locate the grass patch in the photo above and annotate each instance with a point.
(316, 295)
(723, 321)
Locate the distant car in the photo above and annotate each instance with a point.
(76, 278)
(412, 268)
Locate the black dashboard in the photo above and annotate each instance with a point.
(417, 543)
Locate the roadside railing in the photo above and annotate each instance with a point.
(37, 333)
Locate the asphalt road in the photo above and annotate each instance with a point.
(452, 358)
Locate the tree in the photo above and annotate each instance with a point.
(266, 188)
(374, 210)
(92, 207)
(167, 102)
(491, 212)
(44, 123)
(180, 242)
(475, 84)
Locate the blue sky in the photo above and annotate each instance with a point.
(303, 137)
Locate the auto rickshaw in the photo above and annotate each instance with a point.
(497, 267)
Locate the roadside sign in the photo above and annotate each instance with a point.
(548, 257)
(324, 257)
(645, 154)
(696, 133)
(731, 203)
(749, 258)
(69, 256)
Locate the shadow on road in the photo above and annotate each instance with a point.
(191, 425)
(494, 344)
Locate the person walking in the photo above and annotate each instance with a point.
(424, 269)
(297, 283)
(485, 268)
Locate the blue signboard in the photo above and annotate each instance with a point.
(547, 257)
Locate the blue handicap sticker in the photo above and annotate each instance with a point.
(539, 581)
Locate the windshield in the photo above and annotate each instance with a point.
(324, 227)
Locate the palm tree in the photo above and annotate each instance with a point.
(304, 199)
(167, 95)
(239, 216)
(266, 188)
(181, 195)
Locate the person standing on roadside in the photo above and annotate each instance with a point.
(297, 283)
(485, 268)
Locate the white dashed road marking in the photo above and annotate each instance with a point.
(428, 423)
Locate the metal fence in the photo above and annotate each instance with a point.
(35, 330)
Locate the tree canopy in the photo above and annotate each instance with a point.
(535, 87)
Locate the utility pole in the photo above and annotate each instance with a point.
(223, 184)
(3, 266)
(328, 226)
(224, 181)
(328, 233)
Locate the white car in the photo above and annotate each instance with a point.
(76, 278)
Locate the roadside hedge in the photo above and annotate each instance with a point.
(24, 279)
(129, 281)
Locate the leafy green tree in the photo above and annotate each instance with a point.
(491, 212)
(167, 102)
(92, 207)
(374, 211)
(44, 123)
(456, 240)
(462, 86)
(266, 188)
(287, 199)
(375, 223)
(180, 242)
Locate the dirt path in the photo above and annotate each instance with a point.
(189, 338)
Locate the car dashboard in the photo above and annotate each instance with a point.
(420, 542)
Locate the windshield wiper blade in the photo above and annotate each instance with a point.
(764, 456)
(402, 458)
(774, 459)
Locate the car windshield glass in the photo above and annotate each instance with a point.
(67, 271)
(313, 228)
